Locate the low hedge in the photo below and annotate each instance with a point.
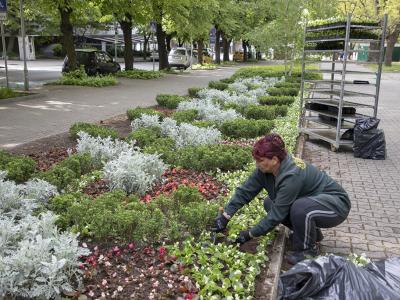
(135, 113)
(282, 91)
(93, 130)
(140, 74)
(213, 157)
(218, 85)
(9, 93)
(242, 128)
(228, 80)
(19, 168)
(259, 112)
(185, 116)
(80, 78)
(144, 136)
(235, 106)
(169, 101)
(287, 84)
(193, 91)
(204, 123)
(63, 173)
(164, 146)
(281, 110)
(276, 100)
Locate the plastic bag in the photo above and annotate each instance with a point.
(369, 142)
(334, 277)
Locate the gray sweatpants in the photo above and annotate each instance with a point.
(306, 215)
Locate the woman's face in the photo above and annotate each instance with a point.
(267, 165)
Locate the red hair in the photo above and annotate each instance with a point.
(269, 146)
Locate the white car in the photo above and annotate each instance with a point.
(180, 58)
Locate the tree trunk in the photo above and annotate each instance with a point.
(217, 47)
(225, 45)
(373, 56)
(10, 45)
(244, 45)
(200, 46)
(391, 42)
(168, 39)
(145, 45)
(162, 49)
(126, 26)
(67, 38)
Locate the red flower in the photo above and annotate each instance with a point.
(131, 246)
(147, 198)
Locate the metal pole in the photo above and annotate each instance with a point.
(381, 57)
(152, 39)
(303, 67)
(3, 39)
(115, 41)
(191, 54)
(26, 79)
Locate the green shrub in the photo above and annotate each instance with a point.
(287, 84)
(145, 136)
(80, 78)
(185, 116)
(281, 110)
(169, 101)
(276, 100)
(218, 85)
(185, 195)
(79, 163)
(164, 146)
(59, 176)
(93, 130)
(213, 157)
(235, 106)
(228, 80)
(259, 112)
(135, 113)
(283, 91)
(9, 93)
(58, 50)
(197, 216)
(140, 74)
(242, 128)
(204, 123)
(193, 91)
(19, 168)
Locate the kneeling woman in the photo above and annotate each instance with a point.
(299, 196)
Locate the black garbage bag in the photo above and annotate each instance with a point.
(369, 142)
(334, 277)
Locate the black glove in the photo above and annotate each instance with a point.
(220, 223)
(244, 236)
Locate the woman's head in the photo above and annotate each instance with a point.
(268, 152)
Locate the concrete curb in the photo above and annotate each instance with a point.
(21, 98)
(278, 248)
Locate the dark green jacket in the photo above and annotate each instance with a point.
(296, 179)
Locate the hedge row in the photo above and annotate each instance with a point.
(18, 168)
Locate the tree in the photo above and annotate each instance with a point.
(375, 9)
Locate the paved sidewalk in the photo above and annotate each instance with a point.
(61, 106)
(373, 226)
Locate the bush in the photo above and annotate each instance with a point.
(79, 163)
(144, 136)
(276, 100)
(185, 116)
(258, 112)
(242, 128)
(93, 130)
(139, 74)
(135, 113)
(58, 50)
(58, 176)
(213, 157)
(80, 78)
(19, 168)
(228, 80)
(218, 85)
(283, 91)
(9, 93)
(163, 146)
(193, 91)
(231, 105)
(205, 124)
(281, 110)
(287, 84)
(169, 101)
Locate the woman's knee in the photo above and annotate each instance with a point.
(298, 210)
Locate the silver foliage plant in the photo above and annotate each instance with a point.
(101, 149)
(183, 134)
(209, 110)
(134, 172)
(39, 189)
(36, 260)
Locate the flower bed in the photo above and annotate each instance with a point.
(150, 239)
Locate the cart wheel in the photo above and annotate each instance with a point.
(333, 148)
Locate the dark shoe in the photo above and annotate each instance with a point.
(297, 256)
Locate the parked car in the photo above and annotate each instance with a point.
(94, 61)
(180, 58)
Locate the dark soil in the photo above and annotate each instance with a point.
(129, 272)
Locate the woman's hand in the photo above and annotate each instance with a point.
(244, 236)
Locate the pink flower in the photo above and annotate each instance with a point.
(131, 246)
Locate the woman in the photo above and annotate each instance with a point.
(299, 196)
